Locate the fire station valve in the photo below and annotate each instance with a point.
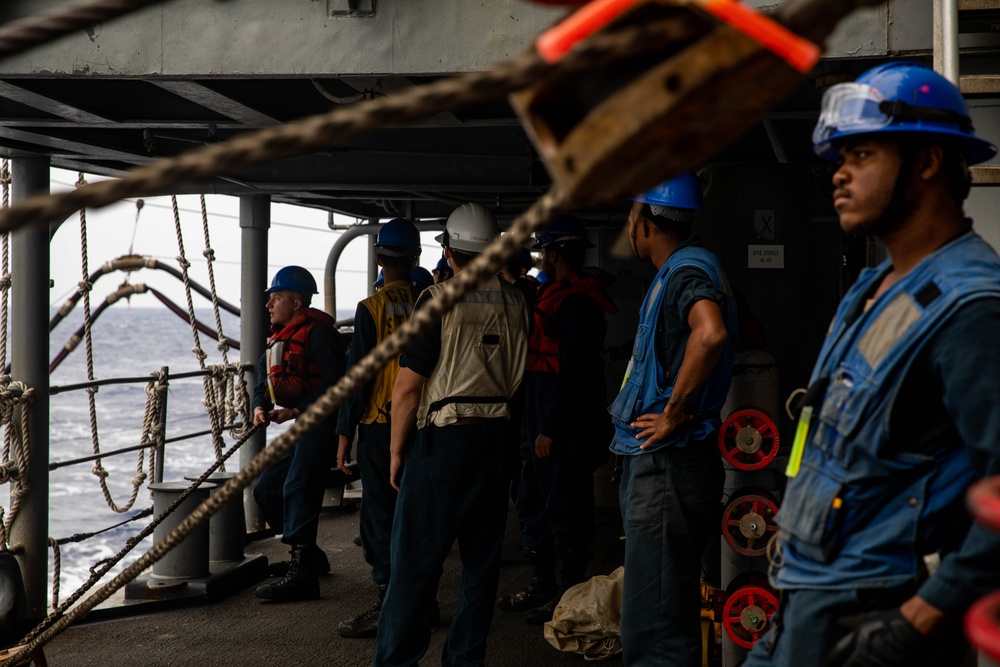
(749, 439)
(748, 521)
(748, 609)
(982, 621)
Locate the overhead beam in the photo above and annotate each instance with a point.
(57, 146)
(49, 105)
(217, 102)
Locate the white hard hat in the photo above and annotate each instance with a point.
(470, 228)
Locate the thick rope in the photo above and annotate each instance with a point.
(209, 402)
(23, 34)
(481, 268)
(56, 571)
(5, 278)
(98, 469)
(17, 462)
(99, 569)
(318, 132)
(232, 404)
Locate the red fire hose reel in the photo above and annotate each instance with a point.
(748, 521)
(748, 609)
(749, 439)
(982, 621)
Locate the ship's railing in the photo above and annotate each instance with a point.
(159, 446)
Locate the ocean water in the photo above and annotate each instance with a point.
(128, 342)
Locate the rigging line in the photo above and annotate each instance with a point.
(480, 269)
(23, 34)
(80, 537)
(57, 616)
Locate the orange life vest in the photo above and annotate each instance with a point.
(543, 348)
(291, 374)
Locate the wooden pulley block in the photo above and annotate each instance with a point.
(609, 134)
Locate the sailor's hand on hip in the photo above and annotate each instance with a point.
(543, 446)
(344, 454)
(655, 427)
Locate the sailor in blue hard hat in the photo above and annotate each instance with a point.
(901, 414)
(666, 421)
(368, 414)
(303, 358)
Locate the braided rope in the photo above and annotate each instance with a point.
(22, 34)
(481, 268)
(234, 409)
(98, 469)
(56, 570)
(318, 132)
(19, 467)
(209, 402)
(100, 568)
(5, 277)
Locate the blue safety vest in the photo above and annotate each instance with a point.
(857, 514)
(646, 388)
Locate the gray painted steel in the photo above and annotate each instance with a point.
(255, 220)
(30, 364)
(226, 528)
(189, 559)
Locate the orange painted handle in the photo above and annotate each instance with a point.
(556, 42)
(798, 52)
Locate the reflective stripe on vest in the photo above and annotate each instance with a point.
(390, 308)
(291, 374)
(484, 344)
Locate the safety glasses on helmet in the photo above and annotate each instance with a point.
(850, 108)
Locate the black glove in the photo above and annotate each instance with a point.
(880, 639)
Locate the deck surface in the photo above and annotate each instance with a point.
(242, 630)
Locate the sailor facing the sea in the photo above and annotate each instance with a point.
(303, 358)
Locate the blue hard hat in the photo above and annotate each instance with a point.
(422, 278)
(564, 229)
(398, 238)
(897, 97)
(542, 277)
(443, 265)
(683, 191)
(293, 279)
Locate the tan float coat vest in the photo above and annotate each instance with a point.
(390, 308)
(484, 346)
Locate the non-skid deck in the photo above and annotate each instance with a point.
(242, 631)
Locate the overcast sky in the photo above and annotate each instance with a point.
(297, 236)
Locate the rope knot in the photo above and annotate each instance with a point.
(223, 344)
(8, 471)
(92, 390)
(139, 479)
(5, 281)
(99, 471)
(209, 254)
(199, 353)
(183, 262)
(85, 286)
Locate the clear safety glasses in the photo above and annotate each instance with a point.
(849, 107)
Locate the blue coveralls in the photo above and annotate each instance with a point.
(670, 493)
(868, 501)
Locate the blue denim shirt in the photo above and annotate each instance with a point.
(865, 505)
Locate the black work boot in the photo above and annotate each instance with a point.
(572, 574)
(313, 559)
(300, 583)
(365, 624)
(539, 591)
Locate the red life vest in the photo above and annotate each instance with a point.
(291, 374)
(543, 348)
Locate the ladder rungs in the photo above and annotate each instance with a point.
(979, 84)
(988, 174)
